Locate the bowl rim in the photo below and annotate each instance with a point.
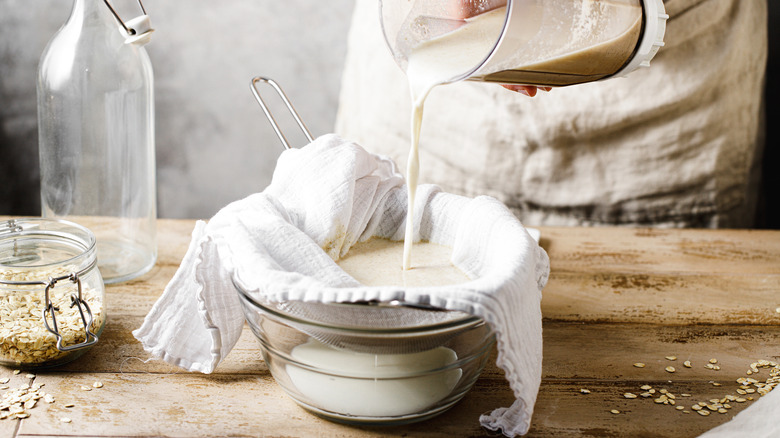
(466, 321)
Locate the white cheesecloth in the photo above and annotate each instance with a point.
(282, 244)
(761, 420)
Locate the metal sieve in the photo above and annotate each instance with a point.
(365, 327)
(372, 327)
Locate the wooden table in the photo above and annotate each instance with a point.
(615, 297)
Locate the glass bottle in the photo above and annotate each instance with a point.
(96, 136)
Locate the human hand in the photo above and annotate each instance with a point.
(528, 90)
(462, 9)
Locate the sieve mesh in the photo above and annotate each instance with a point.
(377, 328)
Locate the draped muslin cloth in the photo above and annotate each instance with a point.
(760, 420)
(282, 244)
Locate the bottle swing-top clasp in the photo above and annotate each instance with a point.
(139, 29)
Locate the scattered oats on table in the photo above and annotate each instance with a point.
(748, 385)
(16, 403)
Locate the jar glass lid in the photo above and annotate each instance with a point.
(36, 243)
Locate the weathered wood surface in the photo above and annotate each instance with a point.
(615, 297)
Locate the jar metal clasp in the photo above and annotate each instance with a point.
(86, 318)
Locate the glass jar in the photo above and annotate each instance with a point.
(96, 136)
(51, 292)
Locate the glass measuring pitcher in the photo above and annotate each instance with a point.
(525, 42)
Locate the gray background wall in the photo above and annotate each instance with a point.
(214, 145)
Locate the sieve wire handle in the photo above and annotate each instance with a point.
(270, 116)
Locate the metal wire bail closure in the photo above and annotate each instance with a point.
(12, 227)
(90, 338)
(139, 29)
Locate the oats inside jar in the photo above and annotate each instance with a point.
(24, 337)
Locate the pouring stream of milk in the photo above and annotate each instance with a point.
(433, 63)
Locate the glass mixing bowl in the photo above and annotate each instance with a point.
(401, 368)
